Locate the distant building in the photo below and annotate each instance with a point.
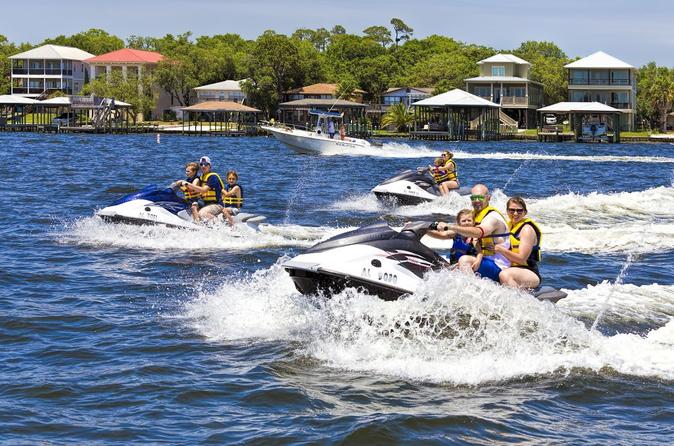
(131, 63)
(396, 95)
(321, 91)
(602, 78)
(49, 68)
(505, 80)
(221, 91)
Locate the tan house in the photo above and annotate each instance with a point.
(505, 80)
(131, 63)
(321, 91)
(603, 78)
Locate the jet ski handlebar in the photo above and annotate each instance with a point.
(418, 229)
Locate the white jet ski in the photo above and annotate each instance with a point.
(153, 205)
(384, 261)
(411, 187)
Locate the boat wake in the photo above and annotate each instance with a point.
(476, 333)
(93, 231)
(545, 156)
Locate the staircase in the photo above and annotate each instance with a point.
(508, 124)
(102, 115)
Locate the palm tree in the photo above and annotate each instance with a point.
(398, 116)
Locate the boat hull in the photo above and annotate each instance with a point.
(311, 142)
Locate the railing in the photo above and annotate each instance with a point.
(36, 70)
(52, 71)
(599, 82)
(19, 70)
(514, 100)
(19, 90)
(621, 105)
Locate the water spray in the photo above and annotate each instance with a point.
(631, 257)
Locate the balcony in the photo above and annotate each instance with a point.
(621, 105)
(622, 82)
(514, 100)
(19, 90)
(19, 71)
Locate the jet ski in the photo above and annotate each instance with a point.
(410, 187)
(384, 261)
(153, 205)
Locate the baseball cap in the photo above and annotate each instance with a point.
(205, 159)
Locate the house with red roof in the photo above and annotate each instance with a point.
(131, 63)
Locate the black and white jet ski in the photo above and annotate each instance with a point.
(153, 205)
(410, 187)
(384, 261)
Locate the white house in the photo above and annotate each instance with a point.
(603, 78)
(228, 90)
(49, 68)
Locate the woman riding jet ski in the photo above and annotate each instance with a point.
(160, 206)
(378, 258)
(411, 187)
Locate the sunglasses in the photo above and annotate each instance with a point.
(515, 211)
(477, 198)
(204, 164)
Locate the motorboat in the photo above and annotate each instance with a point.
(153, 205)
(411, 187)
(316, 140)
(382, 260)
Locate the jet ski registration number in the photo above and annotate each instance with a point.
(381, 276)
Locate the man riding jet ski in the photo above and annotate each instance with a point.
(384, 261)
(161, 206)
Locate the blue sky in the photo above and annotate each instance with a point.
(632, 30)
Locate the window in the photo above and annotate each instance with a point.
(483, 92)
(579, 77)
(518, 92)
(498, 70)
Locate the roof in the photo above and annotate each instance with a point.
(54, 52)
(127, 55)
(319, 89)
(223, 85)
(599, 60)
(500, 79)
(422, 89)
(14, 99)
(504, 58)
(456, 97)
(58, 100)
(220, 106)
(587, 107)
(322, 103)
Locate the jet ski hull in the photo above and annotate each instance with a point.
(395, 199)
(169, 210)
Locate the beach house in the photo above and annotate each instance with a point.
(131, 63)
(322, 91)
(396, 95)
(49, 68)
(603, 78)
(228, 90)
(505, 80)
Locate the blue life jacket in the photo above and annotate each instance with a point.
(460, 248)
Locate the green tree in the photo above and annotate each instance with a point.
(379, 34)
(401, 30)
(6, 49)
(138, 93)
(398, 116)
(547, 67)
(94, 41)
(275, 67)
(337, 30)
(655, 94)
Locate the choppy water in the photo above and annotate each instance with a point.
(121, 334)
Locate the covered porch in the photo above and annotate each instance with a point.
(583, 121)
(456, 115)
(220, 117)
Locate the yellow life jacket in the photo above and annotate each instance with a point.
(447, 175)
(535, 255)
(211, 197)
(233, 200)
(187, 193)
(487, 242)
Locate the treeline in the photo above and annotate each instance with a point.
(377, 58)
